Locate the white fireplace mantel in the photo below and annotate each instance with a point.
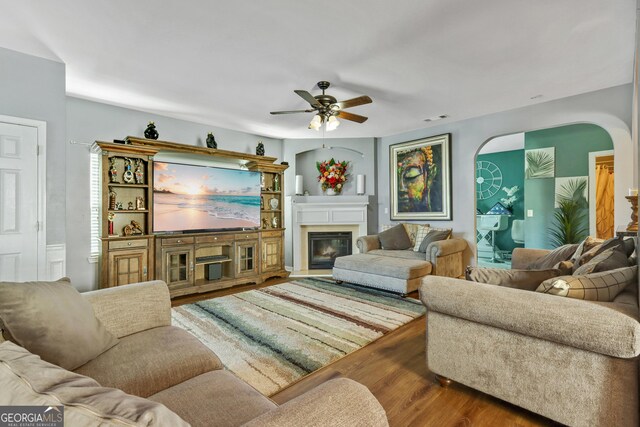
(325, 211)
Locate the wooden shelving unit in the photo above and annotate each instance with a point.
(127, 242)
(272, 183)
(184, 261)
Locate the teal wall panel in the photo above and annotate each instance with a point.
(572, 144)
(511, 164)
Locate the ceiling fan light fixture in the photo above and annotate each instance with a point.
(332, 123)
(327, 109)
(316, 122)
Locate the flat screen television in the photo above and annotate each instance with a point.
(190, 198)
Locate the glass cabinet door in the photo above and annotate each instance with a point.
(178, 264)
(246, 258)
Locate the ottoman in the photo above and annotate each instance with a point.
(382, 272)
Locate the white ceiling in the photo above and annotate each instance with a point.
(229, 63)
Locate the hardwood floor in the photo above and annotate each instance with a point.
(394, 369)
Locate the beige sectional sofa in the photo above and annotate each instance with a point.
(570, 360)
(156, 366)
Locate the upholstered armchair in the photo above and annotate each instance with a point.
(445, 256)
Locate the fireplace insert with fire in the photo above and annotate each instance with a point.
(325, 247)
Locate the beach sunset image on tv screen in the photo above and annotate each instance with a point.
(188, 197)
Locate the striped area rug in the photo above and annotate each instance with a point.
(272, 337)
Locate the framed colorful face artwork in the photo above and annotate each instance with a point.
(420, 179)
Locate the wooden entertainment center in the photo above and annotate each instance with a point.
(188, 262)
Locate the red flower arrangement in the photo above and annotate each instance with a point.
(333, 175)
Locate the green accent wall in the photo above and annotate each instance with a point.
(572, 144)
(511, 164)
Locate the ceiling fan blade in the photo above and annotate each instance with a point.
(292, 111)
(309, 98)
(354, 102)
(353, 117)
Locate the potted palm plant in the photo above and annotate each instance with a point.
(570, 223)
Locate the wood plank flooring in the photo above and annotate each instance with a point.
(394, 369)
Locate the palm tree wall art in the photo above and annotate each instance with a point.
(539, 163)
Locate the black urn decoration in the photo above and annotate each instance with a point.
(211, 141)
(260, 149)
(150, 132)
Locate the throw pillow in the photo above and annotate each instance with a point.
(422, 233)
(610, 259)
(28, 380)
(394, 238)
(527, 280)
(433, 236)
(52, 320)
(602, 286)
(612, 243)
(566, 267)
(412, 231)
(597, 250)
(627, 243)
(562, 253)
(585, 246)
(630, 245)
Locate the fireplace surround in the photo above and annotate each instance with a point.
(325, 214)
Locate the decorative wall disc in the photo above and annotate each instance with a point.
(488, 179)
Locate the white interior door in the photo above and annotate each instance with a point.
(18, 202)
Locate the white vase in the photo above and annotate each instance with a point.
(330, 192)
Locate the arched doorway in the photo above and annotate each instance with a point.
(537, 189)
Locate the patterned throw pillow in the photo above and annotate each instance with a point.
(422, 233)
(603, 286)
(412, 230)
(433, 236)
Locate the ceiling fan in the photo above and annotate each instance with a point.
(328, 109)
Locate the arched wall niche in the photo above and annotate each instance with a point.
(305, 165)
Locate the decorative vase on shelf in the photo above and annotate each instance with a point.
(211, 141)
(273, 203)
(150, 132)
(330, 192)
(276, 182)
